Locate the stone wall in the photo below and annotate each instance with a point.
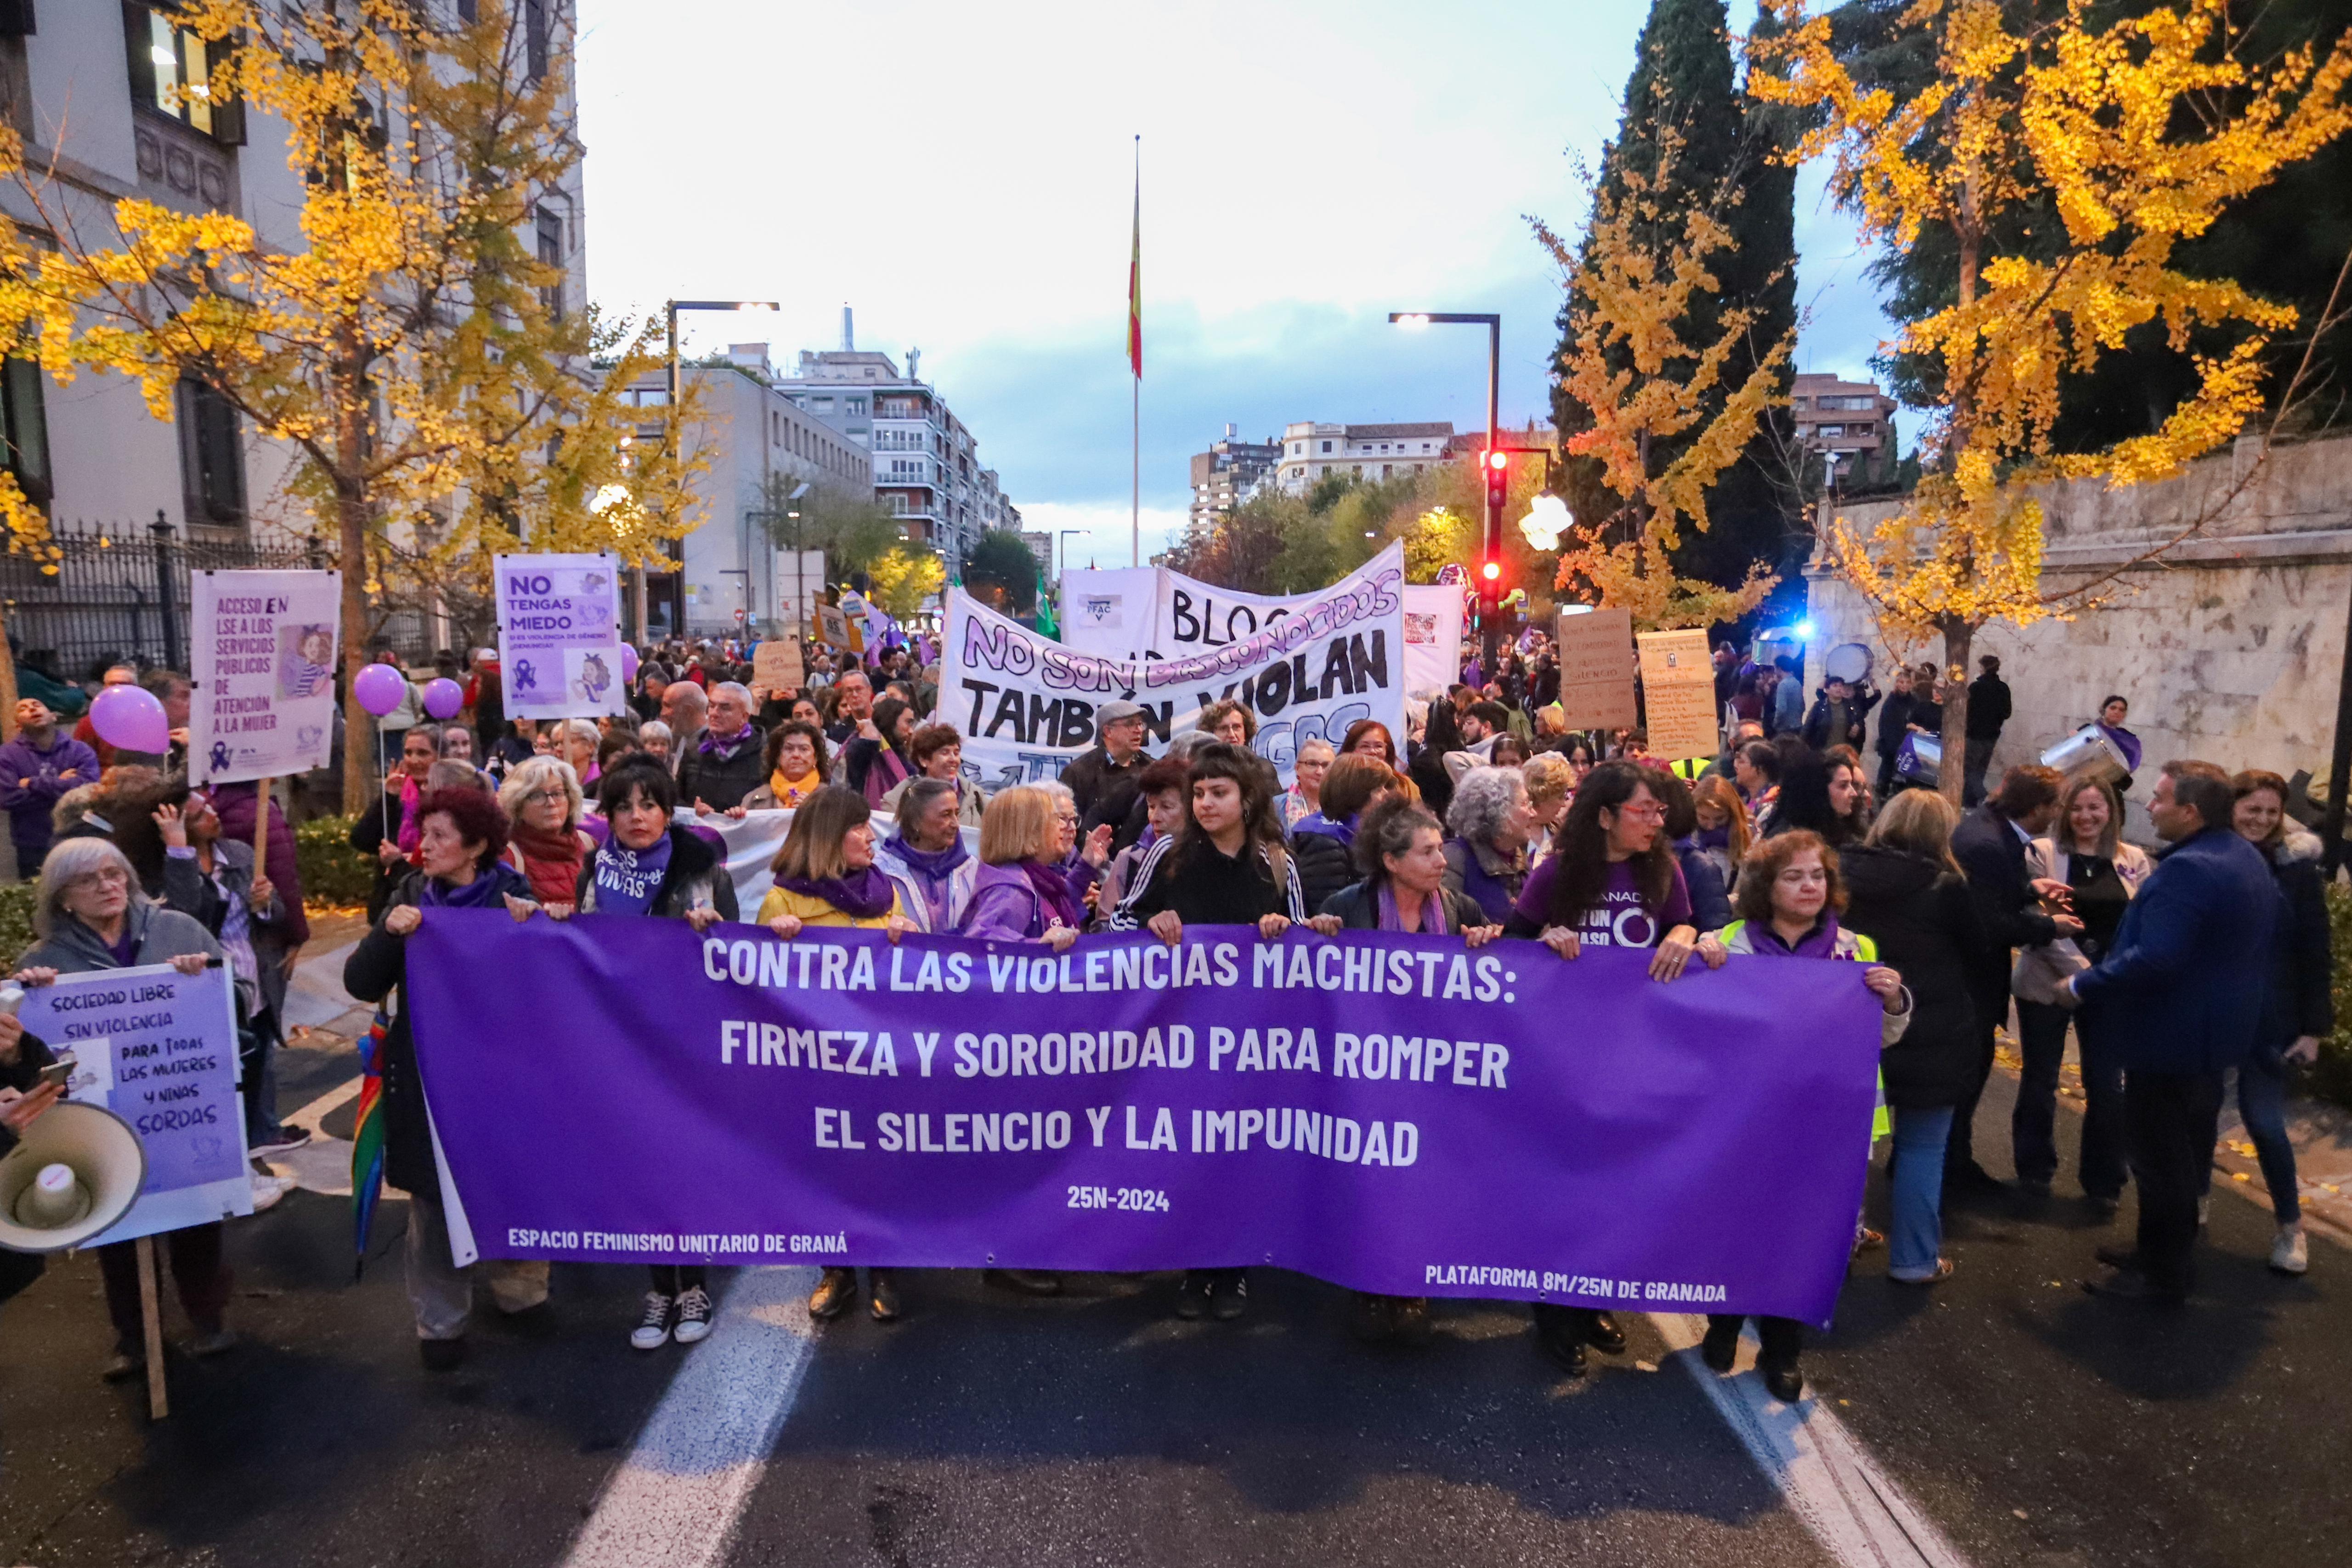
(2230, 650)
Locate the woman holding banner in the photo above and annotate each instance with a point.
(797, 768)
(1611, 881)
(1022, 894)
(928, 859)
(650, 866)
(1790, 900)
(545, 842)
(827, 875)
(90, 914)
(1226, 867)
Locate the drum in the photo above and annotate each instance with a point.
(1848, 662)
(2089, 753)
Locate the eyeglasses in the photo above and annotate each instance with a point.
(1648, 810)
(104, 876)
(548, 797)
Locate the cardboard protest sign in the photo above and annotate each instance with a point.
(1597, 669)
(1678, 692)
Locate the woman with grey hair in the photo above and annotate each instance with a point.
(1081, 865)
(935, 870)
(578, 742)
(91, 914)
(654, 739)
(545, 842)
(1487, 853)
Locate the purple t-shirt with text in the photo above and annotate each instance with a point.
(1618, 920)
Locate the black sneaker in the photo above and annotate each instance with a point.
(1229, 1297)
(1604, 1335)
(126, 1366)
(885, 1306)
(833, 1295)
(1786, 1384)
(1193, 1296)
(278, 1143)
(652, 1331)
(1720, 1348)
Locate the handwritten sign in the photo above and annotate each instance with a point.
(560, 635)
(1678, 689)
(159, 1050)
(776, 666)
(1596, 669)
(264, 698)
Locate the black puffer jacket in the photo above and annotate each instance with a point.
(1926, 927)
(1325, 866)
(2298, 999)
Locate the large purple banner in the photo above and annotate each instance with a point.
(1398, 1114)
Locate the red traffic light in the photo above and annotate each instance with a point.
(1498, 460)
(1492, 570)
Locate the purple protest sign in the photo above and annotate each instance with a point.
(1391, 1113)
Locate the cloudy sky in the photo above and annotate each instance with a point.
(962, 176)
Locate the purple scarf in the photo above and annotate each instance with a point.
(1321, 826)
(861, 895)
(715, 744)
(2125, 742)
(1053, 888)
(1820, 942)
(487, 888)
(1432, 912)
(932, 869)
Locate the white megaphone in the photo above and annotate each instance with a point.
(77, 1169)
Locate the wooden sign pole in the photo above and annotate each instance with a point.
(151, 1319)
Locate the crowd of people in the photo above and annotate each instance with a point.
(1487, 821)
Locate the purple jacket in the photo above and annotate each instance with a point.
(1004, 907)
(31, 781)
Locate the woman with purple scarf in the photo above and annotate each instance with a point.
(928, 859)
(1022, 894)
(1789, 903)
(827, 876)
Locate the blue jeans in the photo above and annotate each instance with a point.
(2033, 1125)
(2262, 1105)
(1916, 1238)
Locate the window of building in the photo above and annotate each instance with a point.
(24, 428)
(852, 405)
(550, 254)
(1326, 447)
(171, 74)
(534, 39)
(212, 459)
(823, 404)
(1828, 430)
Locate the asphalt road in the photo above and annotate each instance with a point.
(2033, 1426)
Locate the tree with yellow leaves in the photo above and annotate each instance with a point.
(415, 354)
(1664, 417)
(904, 576)
(2139, 134)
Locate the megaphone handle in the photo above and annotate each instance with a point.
(151, 1322)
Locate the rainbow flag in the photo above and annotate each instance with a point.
(367, 1140)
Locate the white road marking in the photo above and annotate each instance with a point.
(1852, 1506)
(309, 1116)
(675, 1501)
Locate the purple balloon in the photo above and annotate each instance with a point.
(131, 718)
(628, 664)
(444, 698)
(381, 688)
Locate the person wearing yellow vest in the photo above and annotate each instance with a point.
(1789, 903)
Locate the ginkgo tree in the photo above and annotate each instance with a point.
(2138, 134)
(1665, 408)
(414, 352)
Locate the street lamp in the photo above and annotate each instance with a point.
(1490, 536)
(671, 308)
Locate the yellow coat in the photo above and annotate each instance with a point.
(816, 911)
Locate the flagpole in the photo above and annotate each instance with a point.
(1135, 362)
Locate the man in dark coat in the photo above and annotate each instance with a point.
(2181, 991)
(728, 760)
(1988, 709)
(36, 768)
(1989, 843)
(1117, 758)
(1895, 713)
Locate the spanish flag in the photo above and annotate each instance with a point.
(1135, 286)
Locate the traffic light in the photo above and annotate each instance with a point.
(1490, 589)
(1498, 484)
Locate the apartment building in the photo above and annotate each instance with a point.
(1850, 423)
(1311, 452)
(1229, 472)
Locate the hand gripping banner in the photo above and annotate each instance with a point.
(1392, 1113)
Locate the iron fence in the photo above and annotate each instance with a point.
(120, 594)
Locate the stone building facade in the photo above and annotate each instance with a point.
(2231, 649)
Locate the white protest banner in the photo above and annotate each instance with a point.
(264, 699)
(159, 1050)
(1433, 638)
(1309, 670)
(560, 635)
(1154, 613)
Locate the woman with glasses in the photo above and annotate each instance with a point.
(544, 839)
(1080, 861)
(90, 913)
(1611, 881)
